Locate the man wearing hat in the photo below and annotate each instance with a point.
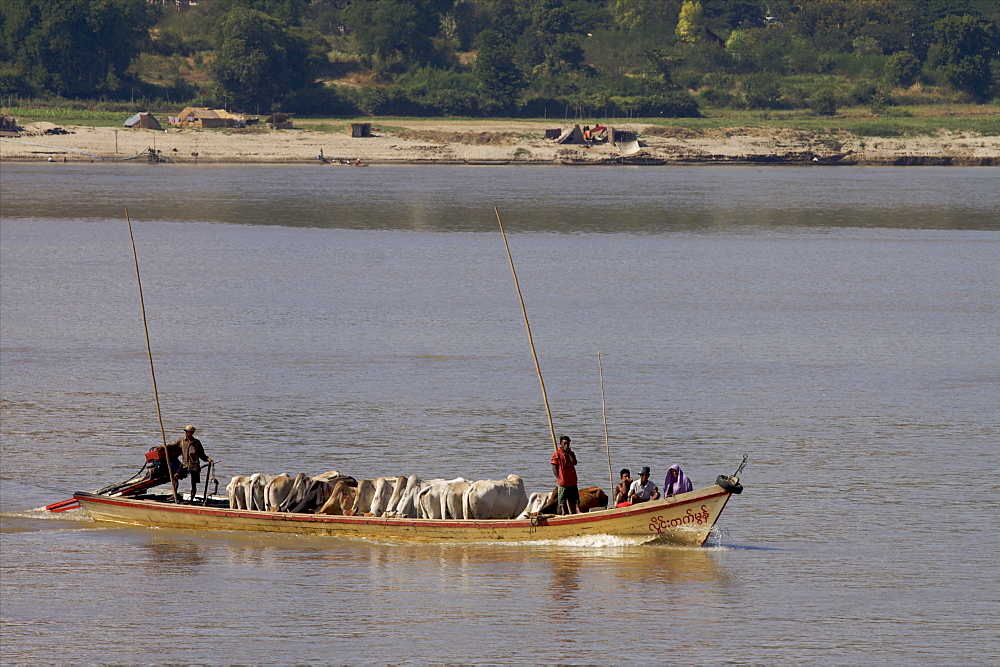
(192, 453)
(643, 489)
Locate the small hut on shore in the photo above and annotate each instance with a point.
(279, 121)
(573, 136)
(208, 118)
(358, 130)
(144, 120)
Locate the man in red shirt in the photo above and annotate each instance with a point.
(564, 468)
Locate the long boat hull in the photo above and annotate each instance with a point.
(687, 518)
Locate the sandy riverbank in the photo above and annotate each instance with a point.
(518, 142)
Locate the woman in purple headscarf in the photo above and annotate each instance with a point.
(676, 482)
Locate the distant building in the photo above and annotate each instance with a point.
(207, 118)
(359, 130)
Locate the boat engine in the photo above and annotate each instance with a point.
(152, 473)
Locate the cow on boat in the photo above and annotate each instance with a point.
(536, 503)
(341, 499)
(237, 493)
(432, 500)
(407, 507)
(277, 491)
(254, 490)
(545, 503)
(385, 490)
(302, 493)
(453, 496)
(499, 499)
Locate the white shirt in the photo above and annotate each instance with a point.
(644, 491)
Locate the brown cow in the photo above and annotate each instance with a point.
(340, 500)
(590, 497)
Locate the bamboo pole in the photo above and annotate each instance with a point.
(531, 342)
(604, 413)
(152, 373)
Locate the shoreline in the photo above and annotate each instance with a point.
(472, 143)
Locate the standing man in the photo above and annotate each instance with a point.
(192, 453)
(643, 488)
(564, 468)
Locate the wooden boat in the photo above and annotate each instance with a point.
(687, 519)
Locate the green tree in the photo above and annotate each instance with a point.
(691, 22)
(761, 91)
(391, 32)
(901, 69)
(258, 60)
(961, 54)
(498, 78)
(71, 47)
(824, 103)
(662, 65)
(631, 14)
(288, 11)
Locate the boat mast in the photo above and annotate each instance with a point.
(152, 373)
(531, 343)
(604, 413)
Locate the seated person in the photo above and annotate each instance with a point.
(676, 482)
(643, 489)
(622, 490)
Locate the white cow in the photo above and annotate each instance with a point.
(276, 492)
(406, 507)
(453, 500)
(254, 490)
(385, 487)
(536, 501)
(433, 498)
(237, 493)
(397, 493)
(495, 499)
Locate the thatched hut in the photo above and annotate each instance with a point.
(208, 118)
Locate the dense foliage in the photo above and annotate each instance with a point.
(646, 58)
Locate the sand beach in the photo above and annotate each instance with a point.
(428, 142)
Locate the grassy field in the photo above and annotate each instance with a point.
(899, 121)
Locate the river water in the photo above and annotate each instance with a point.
(838, 325)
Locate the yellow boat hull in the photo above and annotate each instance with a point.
(684, 519)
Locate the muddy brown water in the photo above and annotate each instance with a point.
(837, 325)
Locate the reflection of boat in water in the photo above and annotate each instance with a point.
(687, 518)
